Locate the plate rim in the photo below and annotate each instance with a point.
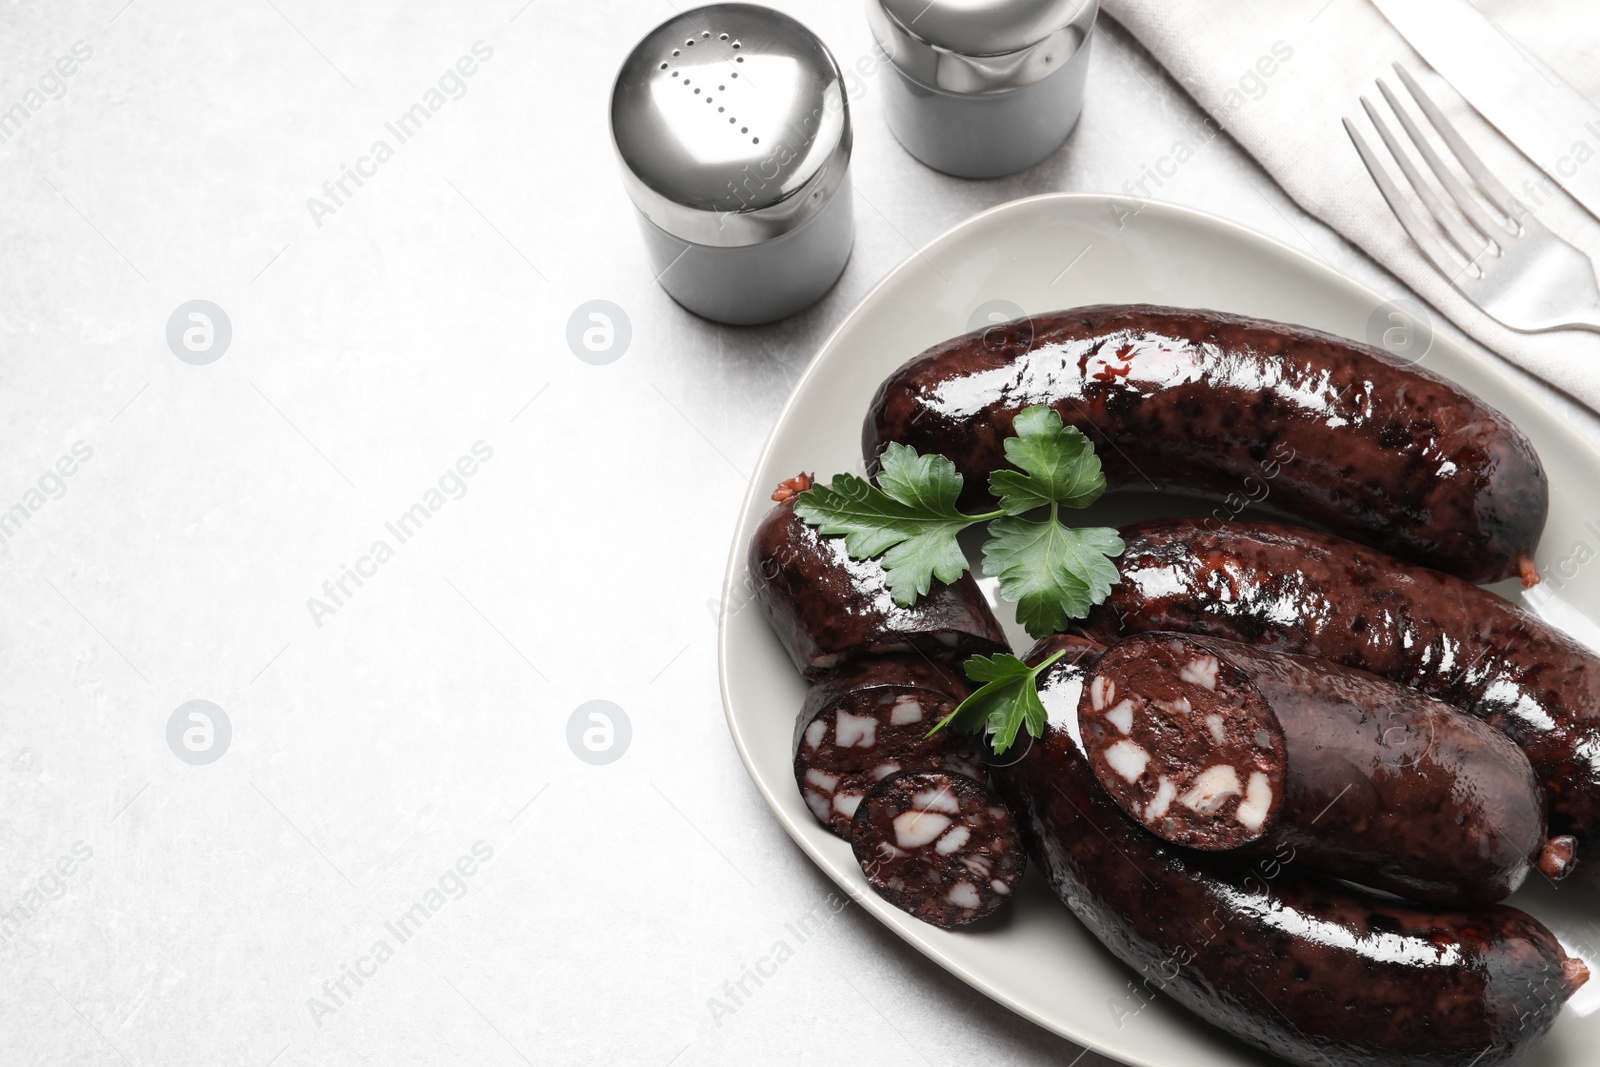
(737, 551)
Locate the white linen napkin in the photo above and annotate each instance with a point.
(1322, 56)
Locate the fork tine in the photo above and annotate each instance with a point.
(1431, 246)
(1470, 242)
(1501, 197)
(1469, 205)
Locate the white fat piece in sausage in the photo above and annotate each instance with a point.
(1202, 670)
(1127, 759)
(1219, 732)
(937, 800)
(915, 829)
(907, 710)
(1214, 786)
(952, 841)
(1102, 691)
(1121, 716)
(815, 732)
(1166, 792)
(855, 731)
(964, 895)
(1257, 802)
(821, 779)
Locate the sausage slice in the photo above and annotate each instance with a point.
(1310, 970)
(1289, 589)
(870, 719)
(1184, 743)
(939, 846)
(1354, 775)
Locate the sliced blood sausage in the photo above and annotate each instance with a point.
(1184, 743)
(1217, 745)
(1295, 590)
(869, 719)
(1310, 970)
(828, 608)
(939, 846)
(1207, 403)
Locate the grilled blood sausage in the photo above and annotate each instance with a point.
(1294, 590)
(1311, 971)
(827, 607)
(1218, 746)
(869, 719)
(1202, 402)
(939, 846)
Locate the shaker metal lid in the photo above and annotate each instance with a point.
(732, 125)
(981, 46)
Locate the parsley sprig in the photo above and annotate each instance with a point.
(1008, 699)
(1052, 571)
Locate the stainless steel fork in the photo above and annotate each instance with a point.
(1510, 265)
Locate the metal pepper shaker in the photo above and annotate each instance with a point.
(733, 130)
(983, 88)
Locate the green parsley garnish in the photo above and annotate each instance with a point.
(1053, 572)
(1008, 699)
(912, 521)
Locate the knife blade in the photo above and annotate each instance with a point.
(1552, 123)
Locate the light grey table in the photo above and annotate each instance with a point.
(398, 856)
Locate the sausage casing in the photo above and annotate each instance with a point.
(1295, 590)
(828, 608)
(1378, 783)
(1314, 425)
(1311, 971)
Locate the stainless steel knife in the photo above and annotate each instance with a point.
(1551, 122)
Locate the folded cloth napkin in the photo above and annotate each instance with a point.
(1279, 75)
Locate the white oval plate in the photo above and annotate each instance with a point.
(1060, 251)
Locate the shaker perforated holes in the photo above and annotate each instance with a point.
(705, 35)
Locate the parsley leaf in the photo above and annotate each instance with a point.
(1054, 573)
(912, 519)
(1008, 700)
(1056, 461)
(1051, 571)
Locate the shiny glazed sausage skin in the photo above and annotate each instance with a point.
(1383, 786)
(1295, 590)
(828, 608)
(1206, 403)
(1315, 973)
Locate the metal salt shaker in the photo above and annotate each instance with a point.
(983, 88)
(733, 130)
